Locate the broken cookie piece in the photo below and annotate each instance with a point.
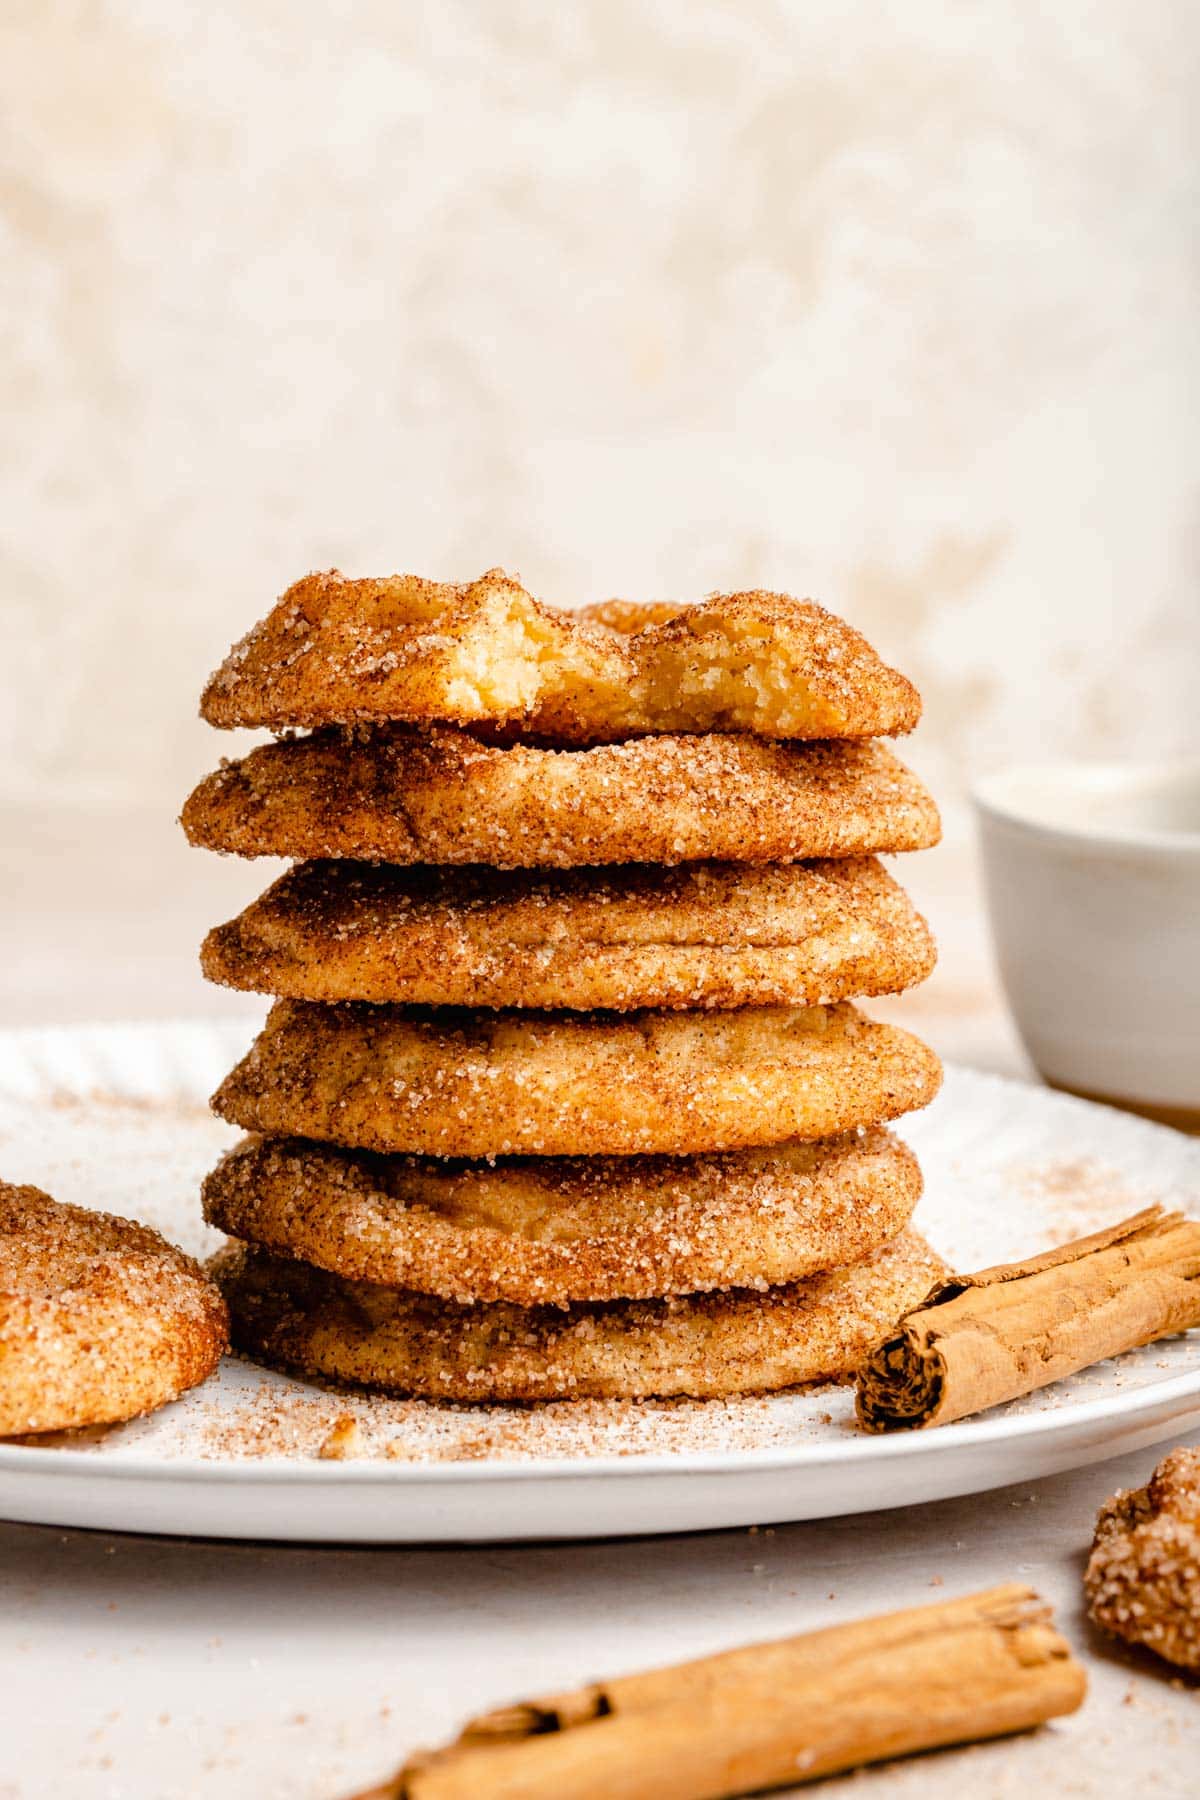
(1143, 1578)
(339, 651)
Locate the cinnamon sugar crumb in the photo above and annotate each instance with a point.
(343, 1441)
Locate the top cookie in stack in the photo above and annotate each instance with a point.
(641, 837)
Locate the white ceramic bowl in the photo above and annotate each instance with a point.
(1093, 885)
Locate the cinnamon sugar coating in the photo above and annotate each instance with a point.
(295, 1317)
(100, 1318)
(703, 935)
(1143, 1579)
(477, 1084)
(339, 651)
(395, 794)
(552, 1230)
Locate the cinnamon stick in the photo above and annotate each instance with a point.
(978, 1340)
(770, 1715)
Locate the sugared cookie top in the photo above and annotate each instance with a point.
(339, 651)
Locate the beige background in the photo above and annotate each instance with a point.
(897, 307)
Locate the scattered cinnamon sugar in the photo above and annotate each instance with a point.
(1074, 1192)
(283, 1420)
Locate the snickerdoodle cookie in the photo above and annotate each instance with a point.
(472, 1084)
(290, 1315)
(339, 651)
(534, 1230)
(100, 1318)
(399, 795)
(701, 935)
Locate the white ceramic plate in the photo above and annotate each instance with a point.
(113, 1116)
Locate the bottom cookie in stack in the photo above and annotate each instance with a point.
(554, 1278)
(702, 1346)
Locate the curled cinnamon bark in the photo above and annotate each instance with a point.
(771, 1715)
(982, 1339)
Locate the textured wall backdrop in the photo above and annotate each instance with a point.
(895, 306)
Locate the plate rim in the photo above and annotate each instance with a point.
(963, 1435)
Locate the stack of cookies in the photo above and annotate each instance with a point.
(562, 1093)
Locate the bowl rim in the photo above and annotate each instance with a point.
(993, 799)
